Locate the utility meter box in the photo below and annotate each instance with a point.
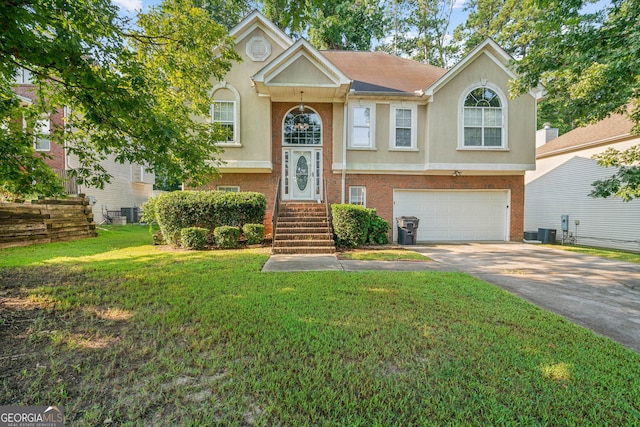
(564, 220)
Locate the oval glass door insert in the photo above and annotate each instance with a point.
(302, 173)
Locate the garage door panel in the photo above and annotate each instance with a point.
(455, 215)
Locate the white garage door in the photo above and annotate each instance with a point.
(454, 215)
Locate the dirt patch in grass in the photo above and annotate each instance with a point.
(381, 253)
(32, 327)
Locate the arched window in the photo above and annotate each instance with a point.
(225, 113)
(302, 128)
(483, 119)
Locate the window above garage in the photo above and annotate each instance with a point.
(483, 119)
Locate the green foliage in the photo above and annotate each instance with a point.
(253, 233)
(135, 92)
(590, 60)
(148, 211)
(194, 238)
(207, 209)
(510, 23)
(346, 25)
(158, 238)
(625, 182)
(378, 233)
(341, 24)
(350, 224)
(419, 31)
(226, 237)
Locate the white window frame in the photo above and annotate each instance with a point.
(236, 142)
(393, 128)
(42, 127)
(372, 126)
(505, 114)
(23, 77)
(229, 188)
(354, 197)
(296, 112)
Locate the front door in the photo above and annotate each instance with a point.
(302, 173)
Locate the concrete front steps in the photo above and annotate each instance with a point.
(303, 228)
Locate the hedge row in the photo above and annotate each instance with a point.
(355, 225)
(224, 237)
(205, 209)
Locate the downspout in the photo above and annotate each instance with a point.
(344, 149)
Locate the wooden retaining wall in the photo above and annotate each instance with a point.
(44, 221)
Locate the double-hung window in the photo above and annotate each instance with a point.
(41, 135)
(403, 127)
(483, 119)
(358, 195)
(362, 126)
(224, 116)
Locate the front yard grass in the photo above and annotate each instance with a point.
(383, 254)
(601, 252)
(131, 334)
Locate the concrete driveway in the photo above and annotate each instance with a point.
(600, 294)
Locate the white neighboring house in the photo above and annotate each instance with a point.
(561, 184)
(130, 186)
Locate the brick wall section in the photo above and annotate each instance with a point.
(380, 192)
(57, 150)
(266, 183)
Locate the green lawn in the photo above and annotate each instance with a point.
(114, 329)
(383, 254)
(606, 253)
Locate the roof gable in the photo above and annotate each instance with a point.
(257, 20)
(300, 66)
(488, 48)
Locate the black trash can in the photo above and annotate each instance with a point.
(547, 235)
(131, 214)
(407, 229)
(530, 235)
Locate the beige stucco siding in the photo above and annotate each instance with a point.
(254, 151)
(383, 156)
(444, 120)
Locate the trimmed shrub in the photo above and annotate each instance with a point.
(350, 224)
(253, 233)
(194, 238)
(207, 209)
(226, 236)
(148, 208)
(158, 238)
(378, 229)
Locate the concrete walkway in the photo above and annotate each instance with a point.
(598, 293)
(331, 262)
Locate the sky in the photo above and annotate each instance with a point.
(458, 15)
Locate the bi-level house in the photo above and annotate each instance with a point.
(130, 186)
(447, 146)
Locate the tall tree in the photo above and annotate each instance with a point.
(329, 24)
(346, 25)
(419, 31)
(510, 23)
(133, 93)
(592, 62)
(225, 12)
